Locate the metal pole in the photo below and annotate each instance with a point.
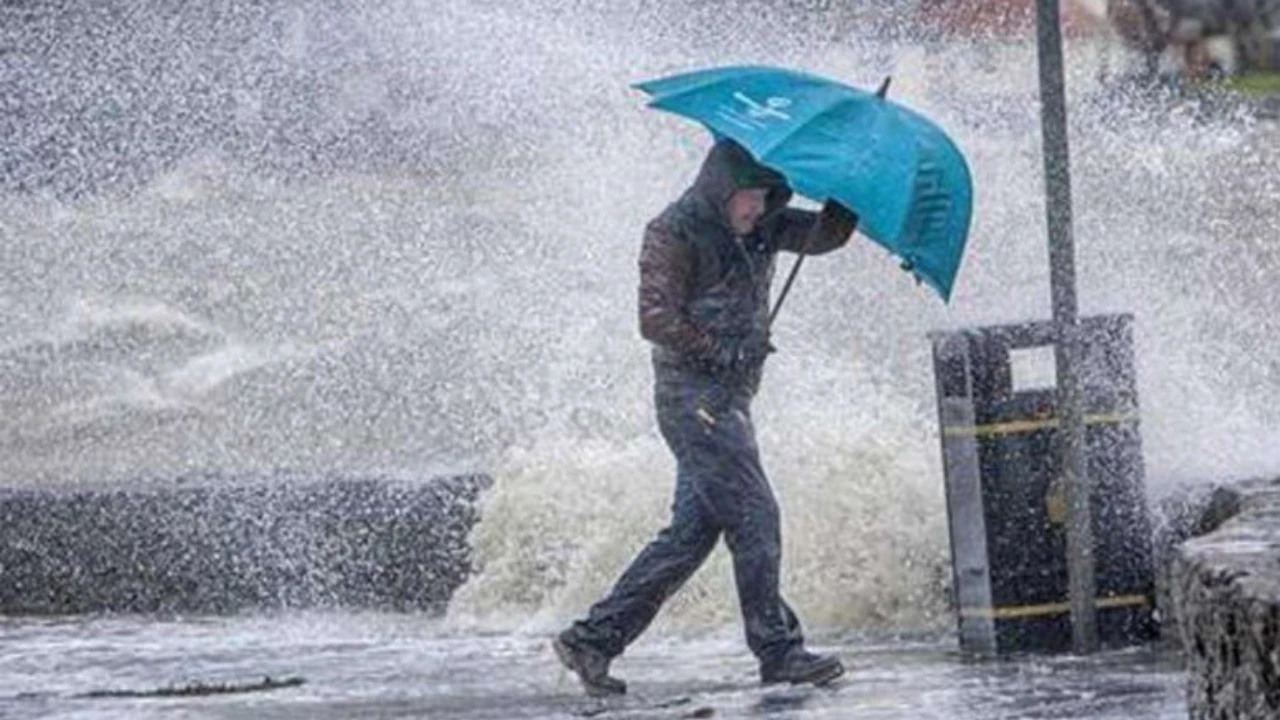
(1062, 280)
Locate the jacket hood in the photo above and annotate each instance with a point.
(728, 168)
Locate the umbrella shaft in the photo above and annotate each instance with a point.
(791, 278)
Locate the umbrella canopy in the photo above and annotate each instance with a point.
(900, 173)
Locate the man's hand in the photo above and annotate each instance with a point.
(741, 353)
(837, 221)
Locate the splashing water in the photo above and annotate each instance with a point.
(404, 240)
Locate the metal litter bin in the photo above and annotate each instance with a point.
(1005, 504)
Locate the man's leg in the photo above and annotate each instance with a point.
(660, 569)
(738, 493)
(735, 489)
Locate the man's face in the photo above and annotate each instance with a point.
(746, 207)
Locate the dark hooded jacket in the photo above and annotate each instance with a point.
(700, 286)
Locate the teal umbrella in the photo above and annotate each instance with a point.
(900, 173)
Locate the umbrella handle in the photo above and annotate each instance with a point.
(791, 278)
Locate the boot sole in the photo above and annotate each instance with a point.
(827, 676)
(824, 676)
(565, 655)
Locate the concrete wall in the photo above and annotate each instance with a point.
(1224, 593)
(215, 544)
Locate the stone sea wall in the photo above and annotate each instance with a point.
(1223, 593)
(215, 544)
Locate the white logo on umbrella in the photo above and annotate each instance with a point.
(771, 108)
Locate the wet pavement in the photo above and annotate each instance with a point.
(405, 666)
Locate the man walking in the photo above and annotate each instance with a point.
(706, 266)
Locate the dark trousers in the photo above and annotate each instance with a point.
(720, 489)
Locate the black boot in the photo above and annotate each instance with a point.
(801, 666)
(591, 665)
